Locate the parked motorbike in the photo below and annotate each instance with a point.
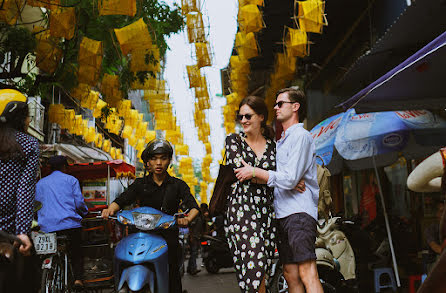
(335, 261)
(216, 253)
(141, 262)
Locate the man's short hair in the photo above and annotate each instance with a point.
(296, 95)
(57, 162)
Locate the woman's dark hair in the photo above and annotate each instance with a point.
(296, 95)
(9, 147)
(259, 107)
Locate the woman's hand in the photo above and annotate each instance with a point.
(244, 173)
(183, 222)
(25, 247)
(300, 187)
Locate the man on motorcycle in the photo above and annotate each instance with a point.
(161, 191)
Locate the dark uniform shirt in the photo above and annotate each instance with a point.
(167, 198)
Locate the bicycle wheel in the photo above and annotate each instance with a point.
(53, 279)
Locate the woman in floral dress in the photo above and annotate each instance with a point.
(250, 213)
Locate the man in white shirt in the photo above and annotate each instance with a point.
(296, 211)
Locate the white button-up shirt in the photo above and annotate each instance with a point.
(295, 160)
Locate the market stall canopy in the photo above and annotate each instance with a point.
(416, 83)
(97, 170)
(76, 153)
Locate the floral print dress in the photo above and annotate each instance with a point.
(249, 218)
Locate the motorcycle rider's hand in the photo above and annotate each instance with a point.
(106, 213)
(25, 247)
(300, 187)
(183, 222)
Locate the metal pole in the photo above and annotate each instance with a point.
(108, 184)
(389, 234)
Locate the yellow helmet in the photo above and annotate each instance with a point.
(10, 101)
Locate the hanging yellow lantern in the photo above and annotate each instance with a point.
(193, 73)
(202, 51)
(250, 19)
(117, 7)
(98, 140)
(208, 148)
(285, 66)
(149, 136)
(48, 54)
(97, 112)
(145, 60)
(134, 36)
(239, 64)
(311, 15)
(106, 145)
(90, 60)
(246, 45)
(188, 6)
(195, 28)
(296, 42)
(63, 23)
(10, 11)
(127, 132)
(90, 135)
(110, 89)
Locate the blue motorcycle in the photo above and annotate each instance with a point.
(140, 262)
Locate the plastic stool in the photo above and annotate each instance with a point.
(412, 280)
(382, 271)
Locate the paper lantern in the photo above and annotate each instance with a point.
(202, 52)
(311, 15)
(48, 54)
(149, 136)
(145, 60)
(246, 45)
(10, 10)
(195, 28)
(124, 107)
(97, 112)
(106, 145)
(188, 6)
(98, 140)
(90, 135)
(63, 23)
(90, 60)
(110, 89)
(250, 18)
(117, 7)
(285, 66)
(134, 36)
(127, 132)
(193, 73)
(239, 64)
(296, 42)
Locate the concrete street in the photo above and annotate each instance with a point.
(223, 282)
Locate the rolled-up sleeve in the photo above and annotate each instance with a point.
(187, 199)
(299, 160)
(26, 191)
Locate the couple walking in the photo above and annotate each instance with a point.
(283, 175)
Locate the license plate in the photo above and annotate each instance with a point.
(44, 243)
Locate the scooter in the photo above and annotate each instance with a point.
(140, 261)
(216, 254)
(335, 261)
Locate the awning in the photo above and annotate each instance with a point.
(416, 83)
(76, 153)
(98, 170)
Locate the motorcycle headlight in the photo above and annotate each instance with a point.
(146, 221)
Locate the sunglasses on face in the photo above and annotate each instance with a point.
(280, 104)
(247, 116)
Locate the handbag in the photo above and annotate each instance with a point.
(225, 178)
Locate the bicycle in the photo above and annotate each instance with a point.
(57, 273)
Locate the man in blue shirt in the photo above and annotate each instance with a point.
(296, 210)
(62, 209)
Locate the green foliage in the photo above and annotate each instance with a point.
(19, 42)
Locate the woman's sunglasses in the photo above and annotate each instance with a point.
(247, 116)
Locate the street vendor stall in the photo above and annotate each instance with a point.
(95, 178)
